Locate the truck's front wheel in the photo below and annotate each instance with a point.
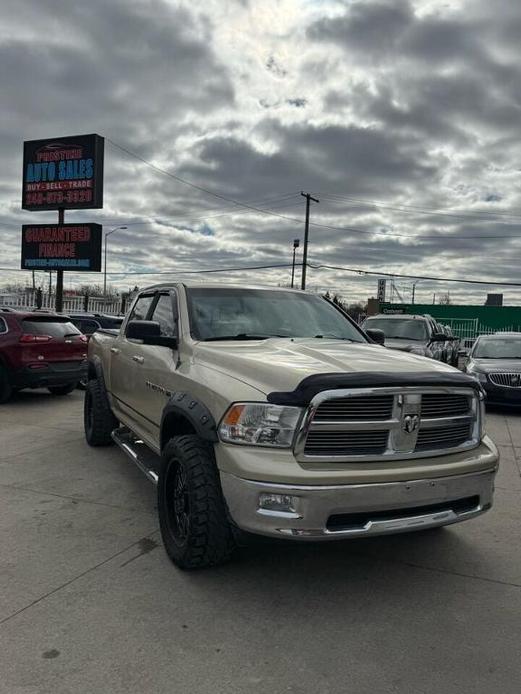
(192, 513)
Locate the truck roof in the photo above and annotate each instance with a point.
(217, 285)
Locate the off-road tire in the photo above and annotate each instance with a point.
(98, 420)
(208, 539)
(6, 389)
(62, 390)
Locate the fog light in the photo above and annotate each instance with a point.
(278, 502)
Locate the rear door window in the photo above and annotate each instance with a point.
(164, 315)
(49, 326)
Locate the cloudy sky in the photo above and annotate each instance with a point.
(402, 117)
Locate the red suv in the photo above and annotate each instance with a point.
(40, 350)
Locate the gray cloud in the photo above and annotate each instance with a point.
(379, 101)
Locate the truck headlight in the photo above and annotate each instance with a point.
(260, 424)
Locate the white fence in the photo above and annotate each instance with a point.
(468, 329)
(71, 304)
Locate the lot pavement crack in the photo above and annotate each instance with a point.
(137, 543)
(78, 499)
(449, 572)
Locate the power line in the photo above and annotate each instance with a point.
(286, 217)
(172, 272)
(185, 182)
(411, 209)
(360, 271)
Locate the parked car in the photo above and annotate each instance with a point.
(40, 350)
(456, 346)
(451, 346)
(270, 411)
(88, 323)
(408, 333)
(495, 361)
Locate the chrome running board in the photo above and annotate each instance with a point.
(147, 461)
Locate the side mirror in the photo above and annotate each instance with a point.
(376, 335)
(149, 332)
(439, 337)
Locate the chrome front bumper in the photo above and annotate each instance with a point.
(315, 505)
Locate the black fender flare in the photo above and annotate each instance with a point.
(185, 406)
(95, 369)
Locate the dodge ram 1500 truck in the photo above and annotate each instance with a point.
(268, 411)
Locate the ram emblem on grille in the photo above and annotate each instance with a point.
(410, 423)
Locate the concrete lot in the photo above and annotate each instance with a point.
(90, 603)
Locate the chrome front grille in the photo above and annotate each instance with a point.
(356, 408)
(374, 424)
(445, 405)
(347, 442)
(507, 380)
(443, 437)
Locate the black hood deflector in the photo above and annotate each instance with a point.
(310, 386)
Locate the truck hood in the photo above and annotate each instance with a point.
(491, 365)
(404, 344)
(281, 364)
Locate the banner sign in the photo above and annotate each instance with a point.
(381, 290)
(66, 172)
(61, 247)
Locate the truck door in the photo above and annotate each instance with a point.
(125, 377)
(157, 367)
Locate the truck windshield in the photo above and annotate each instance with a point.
(255, 313)
(405, 329)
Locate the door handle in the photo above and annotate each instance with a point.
(114, 350)
(139, 360)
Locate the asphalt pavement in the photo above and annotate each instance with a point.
(89, 602)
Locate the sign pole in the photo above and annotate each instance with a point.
(59, 273)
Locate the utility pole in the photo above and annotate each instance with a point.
(306, 237)
(59, 273)
(296, 244)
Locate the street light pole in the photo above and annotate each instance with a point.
(105, 264)
(296, 244)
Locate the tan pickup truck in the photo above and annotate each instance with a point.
(268, 411)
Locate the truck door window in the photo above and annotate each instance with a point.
(164, 315)
(141, 308)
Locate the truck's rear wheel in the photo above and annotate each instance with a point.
(192, 512)
(98, 420)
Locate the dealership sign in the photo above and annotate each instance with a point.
(66, 172)
(61, 247)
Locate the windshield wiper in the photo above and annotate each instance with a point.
(240, 336)
(335, 337)
(401, 337)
